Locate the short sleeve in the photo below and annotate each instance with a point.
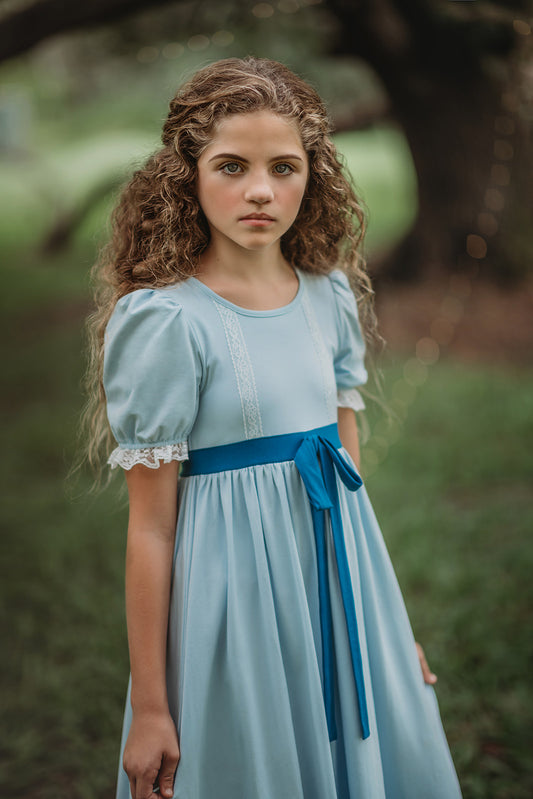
(152, 374)
(349, 358)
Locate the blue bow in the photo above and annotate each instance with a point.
(317, 460)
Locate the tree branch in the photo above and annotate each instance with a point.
(22, 30)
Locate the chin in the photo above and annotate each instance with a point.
(256, 246)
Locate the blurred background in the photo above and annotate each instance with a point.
(432, 105)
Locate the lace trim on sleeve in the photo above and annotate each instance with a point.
(148, 456)
(350, 398)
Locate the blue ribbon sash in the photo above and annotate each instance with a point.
(318, 460)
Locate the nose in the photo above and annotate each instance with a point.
(259, 190)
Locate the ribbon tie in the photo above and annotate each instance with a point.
(317, 461)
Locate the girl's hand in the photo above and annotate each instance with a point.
(428, 675)
(151, 755)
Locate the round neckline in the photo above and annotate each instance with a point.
(283, 309)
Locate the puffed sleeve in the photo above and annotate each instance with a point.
(349, 362)
(152, 372)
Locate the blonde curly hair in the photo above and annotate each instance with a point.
(160, 231)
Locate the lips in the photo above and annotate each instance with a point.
(264, 217)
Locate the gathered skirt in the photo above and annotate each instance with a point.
(245, 652)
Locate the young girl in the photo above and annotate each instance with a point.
(271, 654)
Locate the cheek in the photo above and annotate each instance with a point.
(217, 196)
(295, 194)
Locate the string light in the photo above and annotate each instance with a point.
(494, 200)
(510, 101)
(198, 42)
(522, 27)
(503, 150)
(172, 50)
(427, 350)
(504, 126)
(147, 55)
(288, 6)
(442, 330)
(415, 372)
(222, 38)
(476, 246)
(263, 10)
(500, 175)
(487, 223)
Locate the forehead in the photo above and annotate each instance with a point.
(254, 131)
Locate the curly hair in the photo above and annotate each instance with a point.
(159, 228)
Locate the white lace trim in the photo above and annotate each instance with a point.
(322, 354)
(350, 398)
(148, 456)
(251, 414)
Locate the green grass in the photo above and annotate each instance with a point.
(453, 495)
(451, 490)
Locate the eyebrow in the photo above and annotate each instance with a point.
(233, 156)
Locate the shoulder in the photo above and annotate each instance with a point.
(142, 304)
(149, 308)
(331, 289)
(336, 281)
(147, 302)
(146, 335)
(339, 283)
(148, 319)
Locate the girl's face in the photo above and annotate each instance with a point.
(251, 181)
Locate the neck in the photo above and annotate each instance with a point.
(237, 264)
(259, 281)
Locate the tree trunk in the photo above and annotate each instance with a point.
(450, 130)
(452, 110)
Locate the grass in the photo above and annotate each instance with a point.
(451, 490)
(454, 498)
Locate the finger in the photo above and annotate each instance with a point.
(427, 674)
(145, 789)
(132, 788)
(167, 772)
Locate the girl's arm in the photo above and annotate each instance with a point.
(348, 434)
(152, 752)
(350, 441)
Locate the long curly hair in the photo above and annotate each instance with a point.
(159, 228)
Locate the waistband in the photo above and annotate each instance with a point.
(253, 451)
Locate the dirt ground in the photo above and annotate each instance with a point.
(470, 319)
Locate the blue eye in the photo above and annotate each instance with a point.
(231, 168)
(283, 169)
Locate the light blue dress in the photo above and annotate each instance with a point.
(187, 370)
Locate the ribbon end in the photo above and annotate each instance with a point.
(332, 730)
